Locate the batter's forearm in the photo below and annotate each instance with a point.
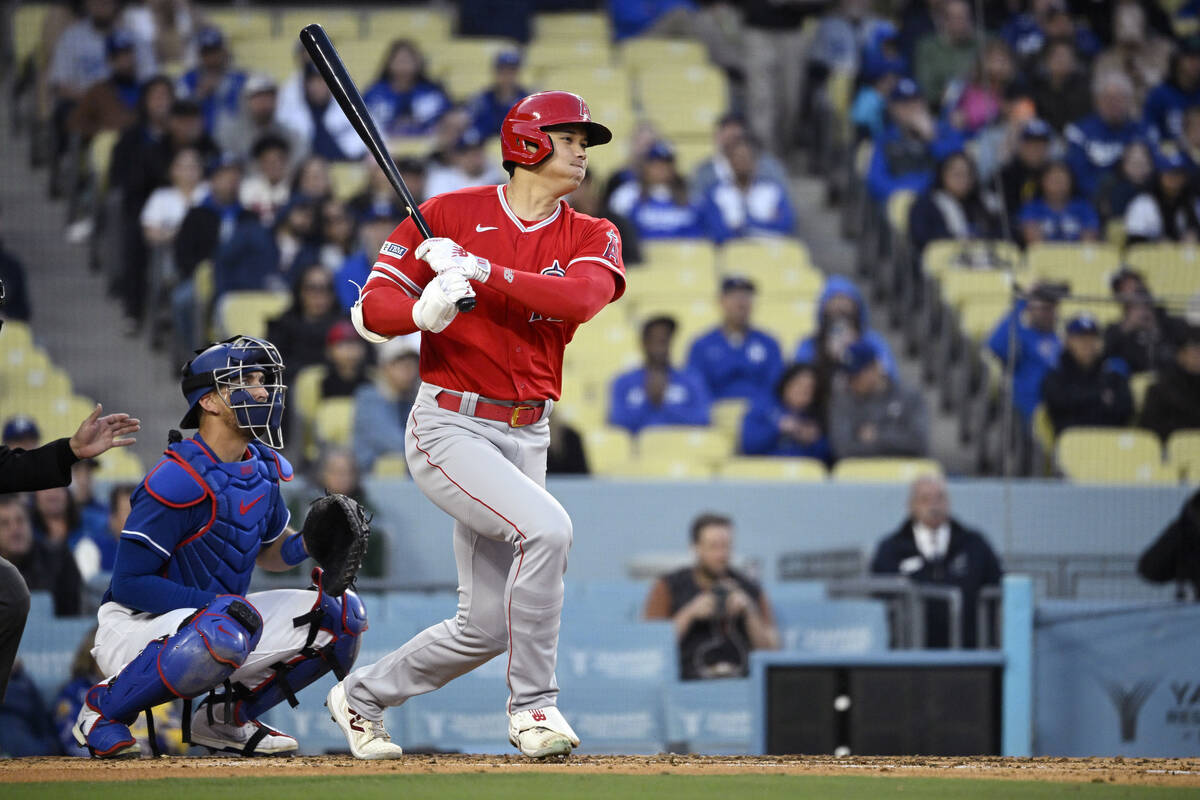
(388, 312)
(571, 298)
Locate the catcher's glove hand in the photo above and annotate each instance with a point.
(335, 534)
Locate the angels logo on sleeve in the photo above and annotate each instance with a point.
(557, 271)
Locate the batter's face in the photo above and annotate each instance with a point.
(567, 165)
(714, 547)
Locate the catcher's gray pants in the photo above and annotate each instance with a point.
(510, 544)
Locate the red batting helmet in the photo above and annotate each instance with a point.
(526, 122)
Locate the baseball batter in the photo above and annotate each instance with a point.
(176, 620)
(477, 435)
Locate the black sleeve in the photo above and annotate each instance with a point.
(196, 240)
(885, 561)
(29, 470)
(1155, 414)
(68, 586)
(1164, 559)
(1121, 409)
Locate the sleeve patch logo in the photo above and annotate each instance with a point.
(394, 250)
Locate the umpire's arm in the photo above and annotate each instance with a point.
(29, 470)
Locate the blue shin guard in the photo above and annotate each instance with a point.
(203, 652)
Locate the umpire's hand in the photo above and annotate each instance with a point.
(97, 434)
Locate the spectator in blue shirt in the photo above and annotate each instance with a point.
(910, 145)
(658, 205)
(841, 321)
(1095, 143)
(1057, 215)
(213, 83)
(1167, 102)
(96, 552)
(637, 17)
(489, 107)
(373, 231)
(403, 101)
(868, 112)
(734, 359)
(657, 393)
(1037, 344)
(381, 407)
(788, 422)
(730, 130)
(750, 204)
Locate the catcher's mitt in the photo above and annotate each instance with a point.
(335, 534)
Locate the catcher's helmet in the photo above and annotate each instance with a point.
(526, 123)
(225, 365)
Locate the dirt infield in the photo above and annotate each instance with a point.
(1139, 771)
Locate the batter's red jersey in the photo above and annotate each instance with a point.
(502, 349)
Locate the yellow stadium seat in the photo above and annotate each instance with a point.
(944, 254)
(390, 465)
(607, 448)
(15, 334)
(1112, 455)
(478, 52)
(305, 392)
(100, 155)
(550, 54)
(364, 61)
(862, 158)
(1087, 267)
(1114, 233)
(774, 281)
(681, 280)
(427, 26)
(16, 364)
(604, 348)
(245, 24)
(959, 285)
(697, 443)
(334, 422)
(120, 465)
(683, 99)
(691, 152)
(1043, 428)
(693, 316)
(1105, 311)
(980, 316)
(898, 205)
(740, 255)
(28, 20)
(651, 54)
(273, 57)
(1172, 270)
(726, 416)
(1139, 383)
(348, 178)
(59, 414)
(572, 25)
(884, 470)
(770, 468)
(48, 380)
(344, 25)
(787, 320)
(665, 467)
(840, 89)
(248, 312)
(696, 253)
(1183, 455)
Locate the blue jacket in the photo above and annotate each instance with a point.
(761, 435)
(488, 110)
(1164, 109)
(686, 401)
(1094, 147)
(379, 423)
(356, 268)
(411, 113)
(631, 17)
(1067, 225)
(246, 259)
(1037, 354)
(663, 218)
(904, 161)
(806, 353)
(225, 100)
(748, 368)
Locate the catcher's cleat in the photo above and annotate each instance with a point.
(251, 738)
(368, 739)
(541, 732)
(103, 737)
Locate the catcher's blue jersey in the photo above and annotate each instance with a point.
(208, 519)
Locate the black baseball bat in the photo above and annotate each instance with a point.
(327, 61)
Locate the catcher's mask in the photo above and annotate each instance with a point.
(225, 367)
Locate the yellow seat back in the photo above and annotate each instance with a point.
(1112, 456)
(884, 470)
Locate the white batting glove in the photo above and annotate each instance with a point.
(446, 255)
(435, 308)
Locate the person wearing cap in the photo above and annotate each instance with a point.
(658, 205)
(1168, 211)
(346, 361)
(469, 165)
(110, 104)
(381, 407)
(1037, 346)
(750, 204)
(1086, 388)
(21, 432)
(1167, 102)
(871, 414)
(214, 83)
(657, 393)
(1058, 214)
(239, 133)
(735, 359)
(1095, 142)
(1020, 176)
(910, 145)
(403, 100)
(355, 270)
(1173, 401)
(868, 111)
(487, 109)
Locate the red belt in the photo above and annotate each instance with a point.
(515, 415)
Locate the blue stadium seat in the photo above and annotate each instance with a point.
(833, 626)
(712, 717)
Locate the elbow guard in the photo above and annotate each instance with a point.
(356, 318)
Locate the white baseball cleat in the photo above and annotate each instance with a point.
(541, 732)
(249, 739)
(368, 739)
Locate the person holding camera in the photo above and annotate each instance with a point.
(719, 614)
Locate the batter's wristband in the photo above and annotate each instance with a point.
(293, 551)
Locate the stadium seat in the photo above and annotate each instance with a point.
(788, 321)
(430, 27)
(274, 57)
(334, 421)
(884, 470)
(549, 54)
(650, 53)
(100, 151)
(773, 468)
(677, 253)
(1112, 456)
(17, 335)
(671, 467)
(1139, 384)
(744, 256)
(364, 61)
(478, 52)
(305, 391)
(1183, 455)
(348, 178)
(944, 254)
(28, 20)
(574, 25)
(1172, 271)
(47, 647)
(898, 205)
(726, 416)
(776, 281)
(607, 448)
(607, 345)
(245, 24)
(958, 285)
(705, 445)
(248, 312)
(710, 717)
(691, 152)
(979, 316)
(344, 25)
(1105, 311)
(682, 99)
(120, 465)
(1086, 267)
(390, 465)
(675, 280)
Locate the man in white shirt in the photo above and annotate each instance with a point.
(930, 546)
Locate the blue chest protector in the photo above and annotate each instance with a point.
(240, 495)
